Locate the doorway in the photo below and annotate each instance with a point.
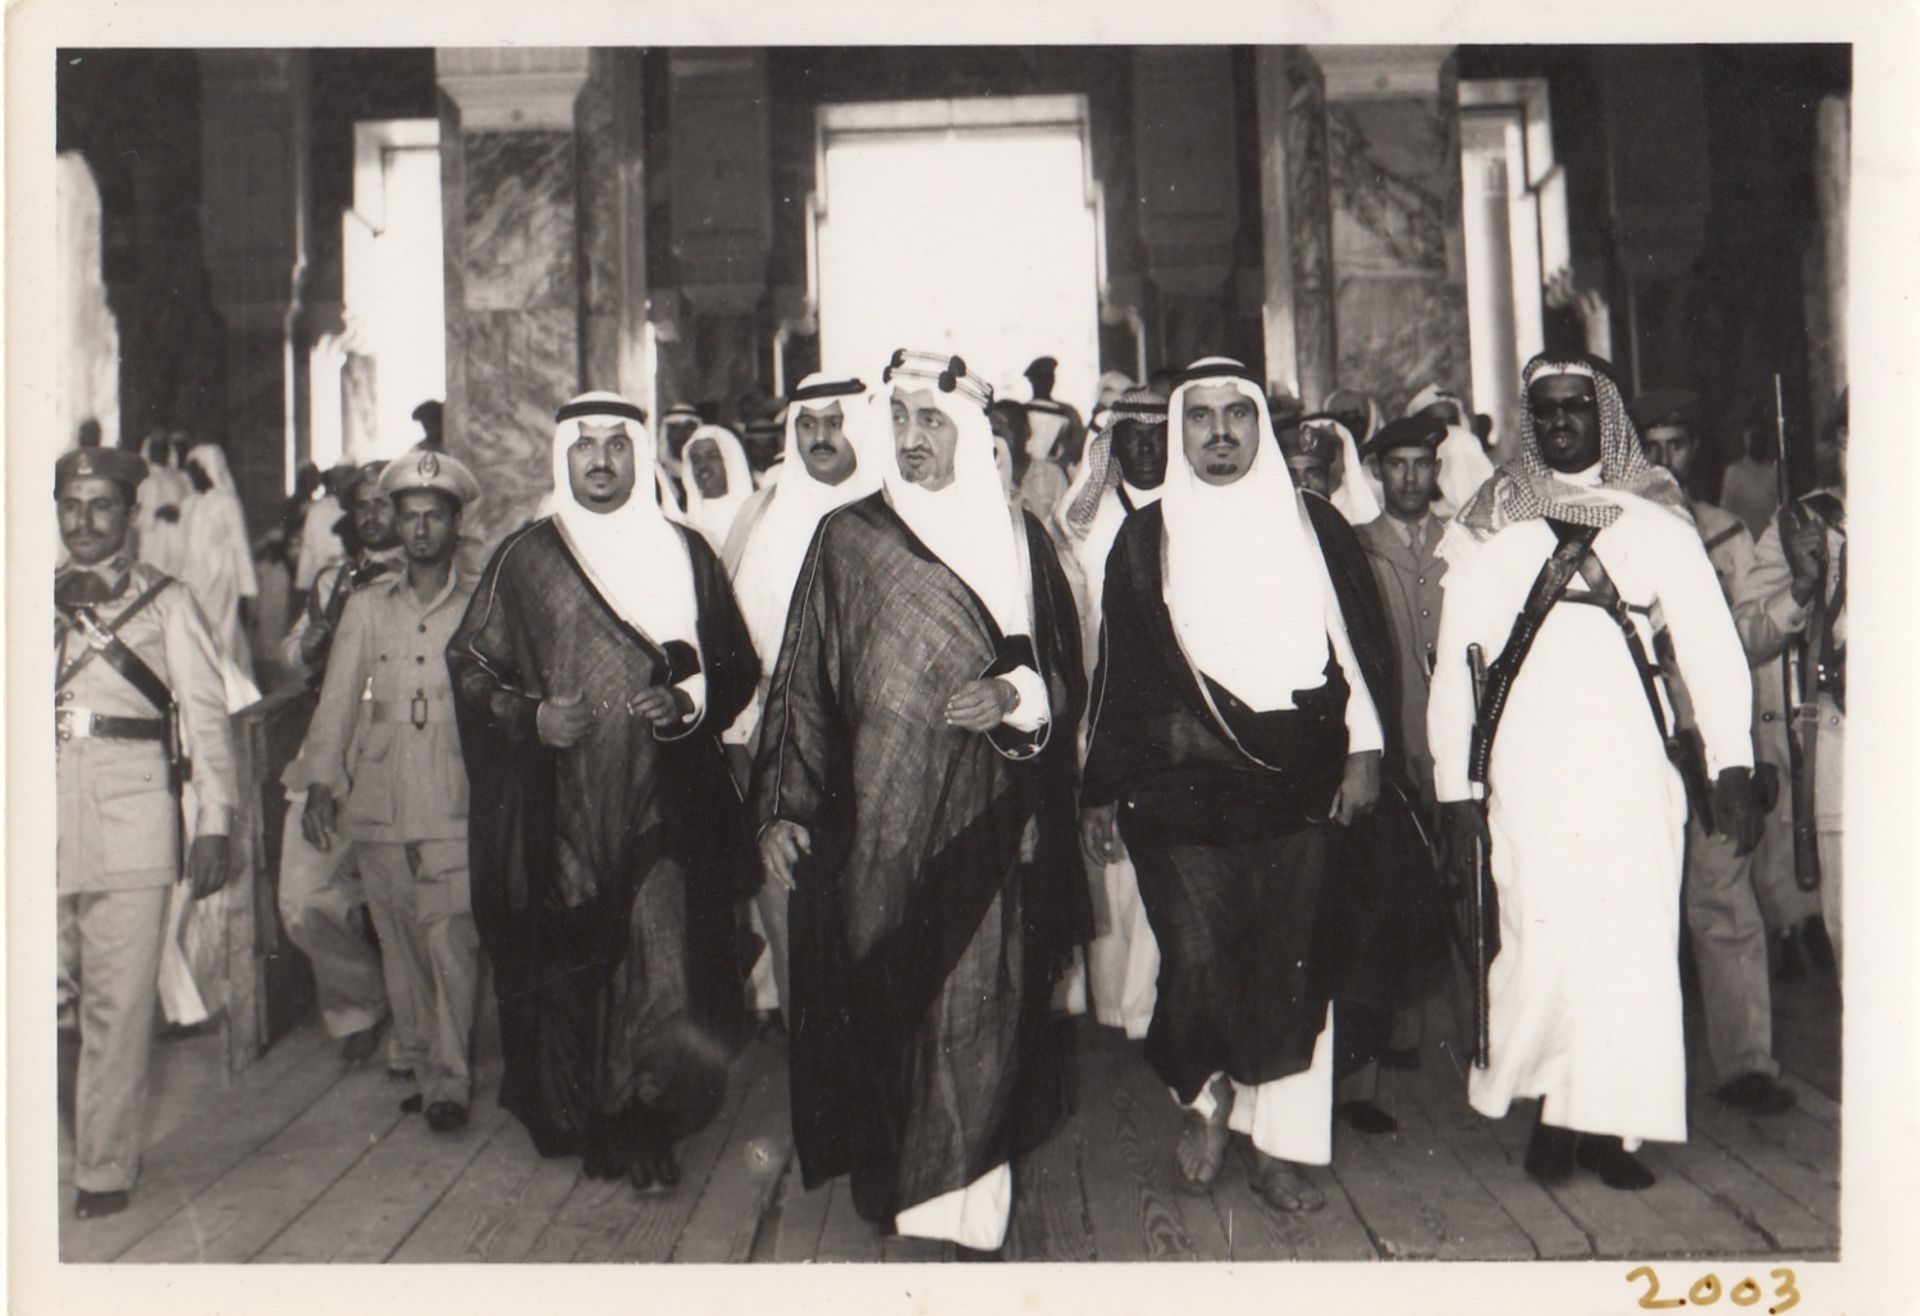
(967, 226)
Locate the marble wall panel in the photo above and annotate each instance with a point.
(1310, 228)
(1398, 254)
(521, 228)
(520, 367)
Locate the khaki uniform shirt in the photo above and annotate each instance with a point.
(383, 737)
(1409, 574)
(118, 821)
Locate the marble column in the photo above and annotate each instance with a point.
(254, 153)
(511, 193)
(1398, 254)
(1826, 261)
(1296, 223)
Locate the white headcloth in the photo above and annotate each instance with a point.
(634, 555)
(1245, 582)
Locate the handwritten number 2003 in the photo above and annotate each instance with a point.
(1706, 1291)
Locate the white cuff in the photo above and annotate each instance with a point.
(741, 732)
(1031, 713)
(696, 688)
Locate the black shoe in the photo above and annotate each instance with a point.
(653, 1170)
(604, 1161)
(1813, 935)
(412, 1105)
(357, 1048)
(91, 1206)
(1617, 1167)
(446, 1116)
(1399, 1057)
(961, 1252)
(1757, 1093)
(1366, 1117)
(1550, 1153)
(1789, 960)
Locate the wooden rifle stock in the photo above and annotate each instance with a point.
(1479, 929)
(1799, 699)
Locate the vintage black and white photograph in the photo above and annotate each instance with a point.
(1091, 651)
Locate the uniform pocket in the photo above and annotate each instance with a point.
(371, 798)
(139, 818)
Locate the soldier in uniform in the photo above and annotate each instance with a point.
(1722, 887)
(138, 679)
(1402, 546)
(385, 773)
(1794, 592)
(1309, 449)
(320, 890)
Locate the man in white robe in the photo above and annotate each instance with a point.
(763, 556)
(1585, 815)
(717, 480)
(1125, 468)
(1464, 464)
(217, 560)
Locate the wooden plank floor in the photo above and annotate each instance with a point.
(303, 1161)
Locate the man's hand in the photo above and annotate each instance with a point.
(561, 722)
(1736, 814)
(1463, 825)
(662, 705)
(207, 865)
(1098, 836)
(980, 705)
(319, 819)
(781, 846)
(1804, 537)
(313, 640)
(1359, 787)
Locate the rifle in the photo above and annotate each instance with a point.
(1800, 701)
(352, 576)
(1482, 938)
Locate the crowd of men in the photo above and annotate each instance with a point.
(1196, 715)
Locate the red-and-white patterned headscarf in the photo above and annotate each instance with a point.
(1526, 488)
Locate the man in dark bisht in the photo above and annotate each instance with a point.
(600, 659)
(915, 786)
(1236, 728)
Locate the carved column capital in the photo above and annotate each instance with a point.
(513, 88)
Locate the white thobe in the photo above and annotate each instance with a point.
(1122, 959)
(1587, 816)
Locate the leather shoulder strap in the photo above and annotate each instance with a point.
(1575, 543)
(100, 637)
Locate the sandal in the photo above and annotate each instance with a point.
(1283, 1185)
(1207, 1138)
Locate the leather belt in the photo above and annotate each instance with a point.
(421, 710)
(74, 723)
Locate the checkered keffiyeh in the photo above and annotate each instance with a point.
(1101, 470)
(1526, 488)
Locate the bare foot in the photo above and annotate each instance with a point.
(1283, 1185)
(1203, 1142)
